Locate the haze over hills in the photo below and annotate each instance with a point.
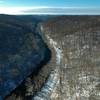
(63, 11)
(50, 10)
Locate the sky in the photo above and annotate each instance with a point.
(50, 6)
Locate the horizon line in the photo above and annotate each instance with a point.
(49, 10)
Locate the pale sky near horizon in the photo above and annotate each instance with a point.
(34, 6)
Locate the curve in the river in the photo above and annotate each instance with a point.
(49, 88)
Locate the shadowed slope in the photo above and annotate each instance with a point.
(21, 51)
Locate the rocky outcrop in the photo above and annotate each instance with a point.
(75, 45)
